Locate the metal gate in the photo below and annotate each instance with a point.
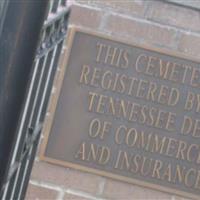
(18, 143)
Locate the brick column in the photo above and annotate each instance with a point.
(153, 23)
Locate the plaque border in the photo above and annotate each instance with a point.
(63, 62)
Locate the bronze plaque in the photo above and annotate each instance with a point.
(129, 113)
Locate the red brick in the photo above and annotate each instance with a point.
(68, 178)
(85, 16)
(140, 30)
(180, 198)
(35, 192)
(74, 197)
(190, 44)
(119, 190)
(122, 6)
(175, 16)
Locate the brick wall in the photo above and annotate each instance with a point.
(150, 22)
